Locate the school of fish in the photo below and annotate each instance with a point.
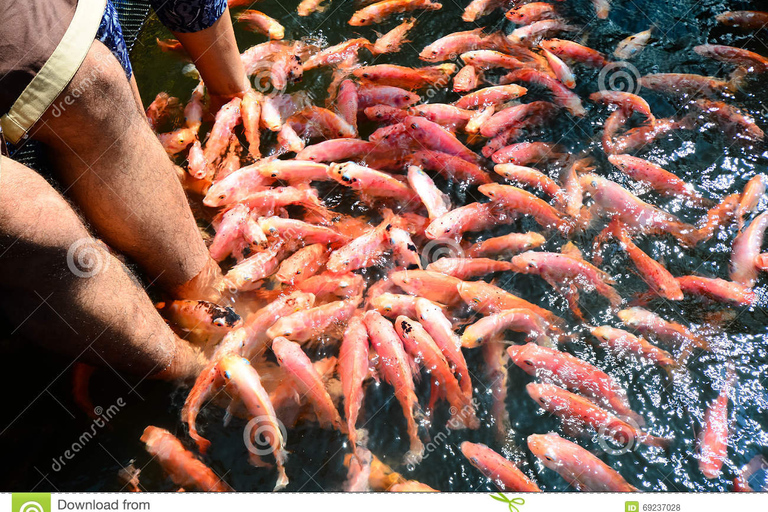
(404, 285)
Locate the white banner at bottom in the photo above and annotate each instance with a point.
(374, 502)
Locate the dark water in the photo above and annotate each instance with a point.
(707, 158)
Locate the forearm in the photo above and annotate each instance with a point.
(215, 54)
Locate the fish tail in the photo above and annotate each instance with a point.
(282, 478)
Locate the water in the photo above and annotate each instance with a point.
(706, 158)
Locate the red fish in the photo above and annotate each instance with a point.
(717, 289)
(379, 11)
(579, 467)
(574, 374)
(560, 93)
(519, 320)
(353, 369)
(396, 370)
(745, 249)
(501, 471)
(180, 463)
(713, 440)
(512, 243)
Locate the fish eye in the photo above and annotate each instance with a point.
(594, 183)
(274, 175)
(529, 363)
(541, 399)
(227, 375)
(366, 75)
(222, 196)
(550, 459)
(414, 125)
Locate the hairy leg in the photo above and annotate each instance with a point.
(118, 174)
(64, 290)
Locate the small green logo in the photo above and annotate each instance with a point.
(31, 502)
(631, 506)
(512, 502)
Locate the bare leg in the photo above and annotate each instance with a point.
(64, 290)
(136, 94)
(114, 168)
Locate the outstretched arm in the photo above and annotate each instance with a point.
(204, 28)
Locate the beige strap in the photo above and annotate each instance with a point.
(57, 71)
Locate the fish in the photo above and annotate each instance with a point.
(412, 486)
(751, 61)
(257, 21)
(471, 217)
(512, 116)
(396, 370)
(405, 77)
(392, 41)
(563, 369)
(517, 200)
(575, 52)
(177, 141)
(633, 45)
(448, 116)
(560, 68)
(435, 201)
(423, 348)
(538, 30)
(487, 299)
(336, 54)
(239, 373)
(335, 150)
(292, 229)
(173, 47)
(752, 20)
(465, 268)
(218, 139)
(718, 217)
(182, 466)
(302, 264)
(502, 472)
(161, 109)
(308, 324)
(620, 342)
(655, 275)
(359, 470)
(653, 325)
(626, 101)
(560, 93)
(379, 11)
(200, 316)
(467, 79)
(611, 199)
(526, 153)
(745, 248)
(732, 120)
(677, 84)
(720, 290)
(512, 243)
(440, 329)
(307, 7)
(371, 182)
(578, 412)
(434, 137)
(307, 381)
(576, 465)
(479, 8)
(529, 176)
(247, 274)
(753, 191)
(528, 13)
(518, 319)
(452, 167)
(567, 275)
(712, 446)
(353, 370)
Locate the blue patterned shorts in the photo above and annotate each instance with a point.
(111, 34)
